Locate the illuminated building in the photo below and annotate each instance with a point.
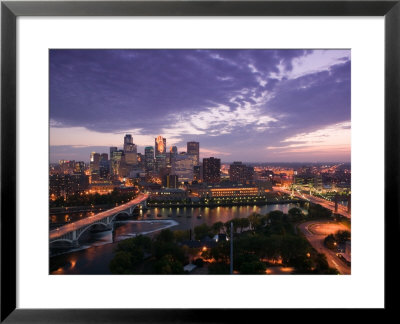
(101, 188)
(170, 181)
(115, 162)
(193, 148)
(230, 192)
(197, 173)
(160, 145)
(168, 194)
(211, 170)
(67, 184)
(182, 166)
(112, 150)
(149, 158)
(161, 162)
(173, 150)
(66, 167)
(104, 169)
(94, 165)
(240, 173)
(140, 160)
(79, 167)
(130, 150)
(160, 153)
(94, 161)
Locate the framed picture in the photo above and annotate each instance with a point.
(165, 117)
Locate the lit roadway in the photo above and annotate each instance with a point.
(342, 210)
(317, 241)
(91, 219)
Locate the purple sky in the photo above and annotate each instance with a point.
(241, 105)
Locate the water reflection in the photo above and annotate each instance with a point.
(94, 255)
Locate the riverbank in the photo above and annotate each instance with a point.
(175, 204)
(94, 256)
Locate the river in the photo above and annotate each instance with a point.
(93, 257)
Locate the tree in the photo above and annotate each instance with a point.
(253, 267)
(202, 231)
(295, 214)
(330, 242)
(342, 236)
(255, 221)
(243, 223)
(168, 265)
(275, 216)
(217, 227)
(121, 263)
(166, 236)
(181, 235)
(317, 211)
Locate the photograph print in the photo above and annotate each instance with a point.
(200, 161)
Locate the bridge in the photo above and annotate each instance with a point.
(71, 233)
(333, 206)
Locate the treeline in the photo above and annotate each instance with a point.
(77, 199)
(260, 241)
(142, 255)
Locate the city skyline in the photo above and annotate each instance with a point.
(242, 105)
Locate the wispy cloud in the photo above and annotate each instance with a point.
(333, 138)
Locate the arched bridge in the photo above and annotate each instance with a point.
(71, 233)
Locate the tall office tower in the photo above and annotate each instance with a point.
(128, 140)
(182, 166)
(112, 150)
(193, 148)
(211, 170)
(115, 161)
(149, 158)
(240, 173)
(104, 166)
(173, 152)
(130, 150)
(160, 153)
(94, 166)
(160, 145)
(94, 161)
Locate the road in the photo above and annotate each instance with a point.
(342, 210)
(60, 231)
(316, 239)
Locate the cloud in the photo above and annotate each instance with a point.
(328, 140)
(232, 101)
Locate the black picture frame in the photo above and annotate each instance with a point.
(10, 10)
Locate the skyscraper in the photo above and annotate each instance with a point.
(182, 166)
(112, 150)
(104, 166)
(130, 150)
(115, 162)
(160, 145)
(149, 158)
(211, 170)
(193, 148)
(239, 172)
(160, 153)
(94, 165)
(128, 140)
(94, 161)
